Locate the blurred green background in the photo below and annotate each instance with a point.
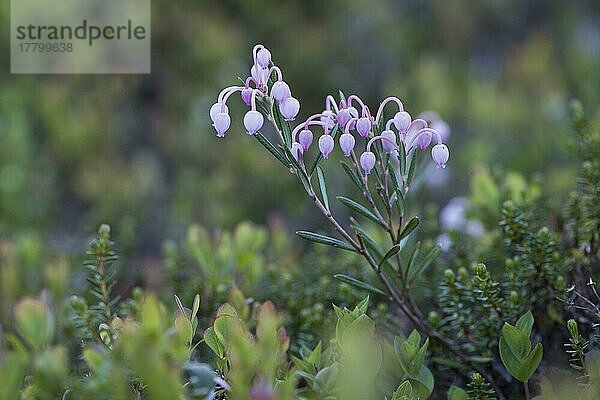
(139, 153)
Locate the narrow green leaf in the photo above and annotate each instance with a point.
(391, 252)
(402, 158)
(196, 305)
(299, 170)
(412, 259)
(369, 241)
(359, 208)
(411, 168)
(352, 174)
(295, 163)
(427, 260)
(359, 284)
(395, 180)
(283, 125)
(329, 241)
(322, 186)
(409, 227)
(271, 148)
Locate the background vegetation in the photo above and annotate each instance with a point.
(191, 214)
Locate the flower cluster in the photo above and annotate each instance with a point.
(256, 86)
(350, 115)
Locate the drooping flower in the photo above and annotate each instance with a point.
(402, 121)
(327, 117)
(347, 143)
(425, 140)
(222, 122)
(253, 121)
(389, 143)
(305, 138)
(263, 57)
(367, 161)
(326, 145)
(440, 155)
(343, 117)
(259, 74)
(217, 108)
(280, 91)
(289, 108)
(247, 95)
(297, 151)
(363, 126)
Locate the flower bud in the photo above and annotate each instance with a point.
(297, 151)
(222, 122)
(289, 108)
(305, 138)
(253, 121)
(343, 117)
(402, 121)
(280, 91)
(424, 139)
(247, 96)
(326, 145)
(573, 328)
(363, 126)
(440, 155)
(347, 143)
(217, 108)
(327, 119)
(367, 161)
(263, 57)
(260, 75)
(434, 318)
(389, 143)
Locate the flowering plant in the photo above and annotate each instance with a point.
(383, 173)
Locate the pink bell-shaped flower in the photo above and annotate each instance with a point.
(347, 143)
(326, 145)
(289, 108)
(280, 91)
(305, 138)
(217, 108)
(363, 126)
(253, 121)
(263, 57)
(367, 161)
(222, 122)
(389, 142)
(440, 155)
(402, 121)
